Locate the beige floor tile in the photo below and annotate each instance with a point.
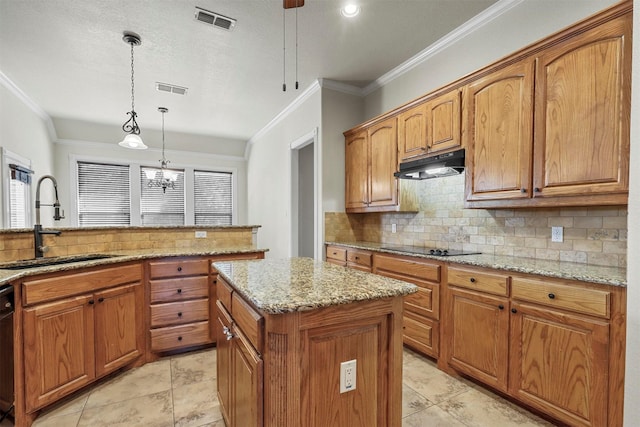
(413, 402)
(154, 410)
(432, 417)
(432, 383)
(70, 405)
(148, 379)
(193, 368)
(480, 408)
(196, 404)
(67, 420)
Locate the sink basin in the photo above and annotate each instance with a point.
(44, 262)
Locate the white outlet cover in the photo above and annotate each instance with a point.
(557, 234)
(348, 376)
(201, 234)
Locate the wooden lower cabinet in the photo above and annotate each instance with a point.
(479, 336)
(239, 374)
(555, 345)
(75, 340)
(560, 363)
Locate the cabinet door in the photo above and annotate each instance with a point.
(383, 141)
(356, 171)
(480, 337)
(559, 364)
(60, 337)
(443, 122)
(582, 114)
(223, 365)
(412, 132)
(498, 132)
(118, 319)
(246, 391)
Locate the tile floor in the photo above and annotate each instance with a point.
(180, 391)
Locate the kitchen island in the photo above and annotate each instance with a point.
(284, 329)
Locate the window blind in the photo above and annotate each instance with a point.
(213, 198)
(19, 193)
(158, 208)
(104, 197)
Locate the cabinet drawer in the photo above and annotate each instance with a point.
(575, 298)
(250, 322)
(425, 302)
(407, 267)
(177, 313)
(421, 333)
(65, 285)
(178, 268)
(179, 289)
(223, 292)
(359, 257)
(173, 337)
(492, 283)
(338, 254)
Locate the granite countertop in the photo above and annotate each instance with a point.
(615, 276)
(117, 257)
(278, 286)
(134, 227)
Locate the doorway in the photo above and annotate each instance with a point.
(304, 196)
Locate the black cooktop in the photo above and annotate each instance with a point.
(429, 251)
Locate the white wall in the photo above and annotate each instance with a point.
(632, 373)
(25, 133)
(520, 26)
(65, 150)
(269, 175)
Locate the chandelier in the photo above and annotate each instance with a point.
(132, 139)
(164, 178)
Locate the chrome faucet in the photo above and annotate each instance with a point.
(40, 249)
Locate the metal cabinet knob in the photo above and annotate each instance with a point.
(179, 338)
(514, 311)
(179, 268)
(180, 314)
(100, 299)
(501, 307)
(552, 296)
(179, 291)
(472, 280)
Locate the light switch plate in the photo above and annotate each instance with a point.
(394, 228)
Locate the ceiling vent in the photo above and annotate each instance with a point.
(166, 87)
(215, 19)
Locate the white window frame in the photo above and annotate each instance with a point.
(9, 157)
(134, 178)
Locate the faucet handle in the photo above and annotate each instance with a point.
(57, 215)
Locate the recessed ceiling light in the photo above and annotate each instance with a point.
(350, 10)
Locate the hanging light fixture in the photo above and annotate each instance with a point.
(132, 139)
(165, 177)
(289, 4)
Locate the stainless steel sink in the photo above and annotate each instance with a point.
(44, 262)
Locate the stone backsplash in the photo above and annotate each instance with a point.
(18, 245)
(594, 235)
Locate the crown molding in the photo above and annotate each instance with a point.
(478, 21)
(341, 87)
(30, 103)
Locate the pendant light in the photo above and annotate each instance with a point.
(165, 178)
(132, 139)
(289, 4)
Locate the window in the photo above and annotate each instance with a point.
(159, 207)
(104, 196)
(213, 198)
(16, 178)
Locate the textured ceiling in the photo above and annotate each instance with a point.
(69, 58)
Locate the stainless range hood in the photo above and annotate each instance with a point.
(446, 164)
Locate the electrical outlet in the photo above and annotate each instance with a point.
(394, 228)
(557, 234)
(347, 376)
(201, 234)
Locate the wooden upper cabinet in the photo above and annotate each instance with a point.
(412, 132)
(357, 171)
(371, 159)
(430, 127)
(582, 114)
(384, 162)
(498, 121)
(443, 122)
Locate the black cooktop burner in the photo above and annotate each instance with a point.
(429, 251)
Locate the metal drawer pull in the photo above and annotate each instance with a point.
(514, 311)
(472, 280)
(552, 296)
(179, 291)
(179, 268)
(179, 338)
(501, 307)
(91, 302)
(180, 314)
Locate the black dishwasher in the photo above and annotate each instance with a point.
(6, 351)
